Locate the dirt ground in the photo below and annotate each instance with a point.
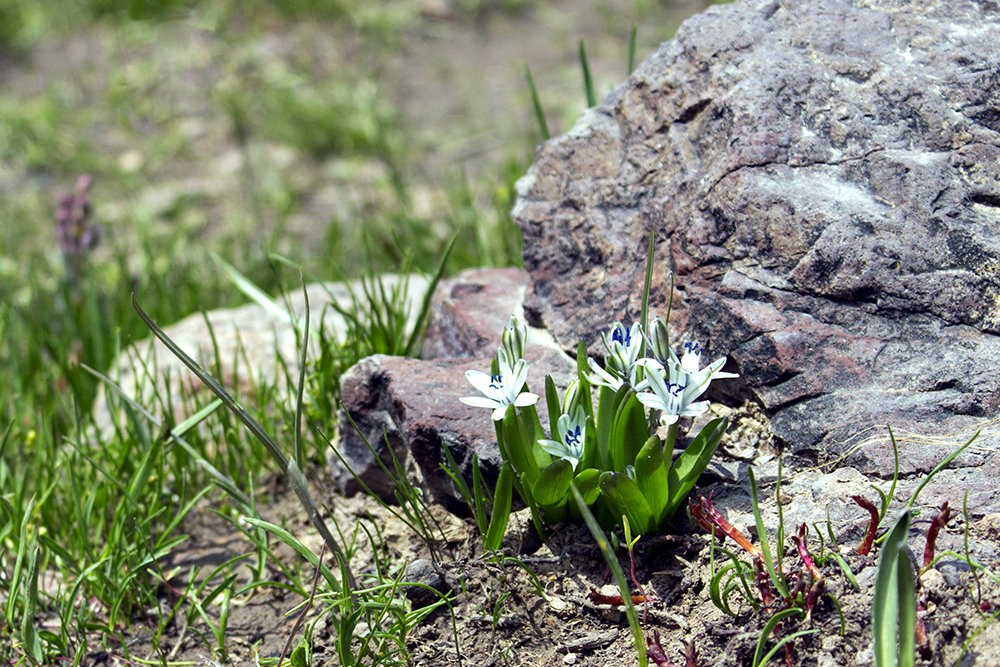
(559, 613)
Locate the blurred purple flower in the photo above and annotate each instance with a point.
(76, 234)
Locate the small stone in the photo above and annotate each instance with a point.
(426, 572)
(569, 659)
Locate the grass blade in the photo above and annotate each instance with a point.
(631, 50)
(539, 114)
(765, 548)
(588, 81)
(254, 293)
(616, 568)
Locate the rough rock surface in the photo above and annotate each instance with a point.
(823, 178)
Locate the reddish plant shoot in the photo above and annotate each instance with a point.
(937, 524)
(708, 518)
(866, 544)
(655, 652)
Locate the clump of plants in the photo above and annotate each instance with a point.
(604, 435)
(788, 590)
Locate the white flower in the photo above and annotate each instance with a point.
(623, 354)
(673, 389)
(600, 377)
(502, 389)
(572, 431)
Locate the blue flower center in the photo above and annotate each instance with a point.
(692, 347)
(573, 436)
(623, 336)
(675, 388)
(496, 381)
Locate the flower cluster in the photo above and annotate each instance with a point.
(611, 453)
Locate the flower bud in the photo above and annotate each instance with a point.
(659, 340)
(513, 338)
(571, 401)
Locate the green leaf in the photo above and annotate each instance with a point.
(588, 483)
(692, 462)
(518, 452)
(765, 547)
(630, 430)
(652, 478)
(605, 418)
(582, 368)
(765, 633)
(625, 498)
(531, 433)
(907, 609)
(616, 569)
(588, 81)
(552, 405)
(938, 468)
(501, 509)
(537, 103)
(552, 486)
(893, 601)
(256, 294)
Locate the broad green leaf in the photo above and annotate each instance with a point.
(625, 498)
(588, 483)
(531, 433)
(887, 601)
(630, 431)
(501, 509)
(589, 458)
(518, 452)
(552, 486)
(652, 478)
(605, 418)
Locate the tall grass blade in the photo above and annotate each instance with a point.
(254, 293)
(295, 475)
(588, 81)
(631, 50)
(938, 468)
(765, 634)
(765, 548)
(616, 568)
(416, 336)
(539, 113)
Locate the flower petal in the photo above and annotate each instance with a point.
(526, 398)
(481, 402)
(480, 381)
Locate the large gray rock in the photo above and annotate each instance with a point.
(823, 178)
